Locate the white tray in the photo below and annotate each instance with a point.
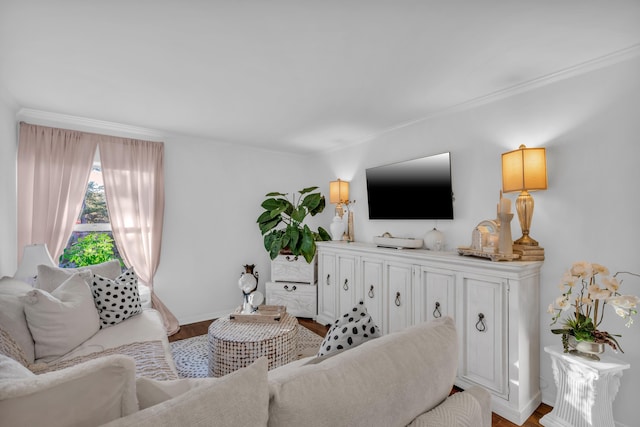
(398, 242)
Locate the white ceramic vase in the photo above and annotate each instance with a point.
(337, 228)
(434, 240)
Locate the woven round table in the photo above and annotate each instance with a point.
(234, 345)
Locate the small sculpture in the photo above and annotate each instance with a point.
(248, 284)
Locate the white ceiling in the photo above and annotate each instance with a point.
(298, 75)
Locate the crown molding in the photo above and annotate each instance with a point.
(573, 71)
(85, 124)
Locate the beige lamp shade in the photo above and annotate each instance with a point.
(338, 191)
(524, 169)
(32, 257)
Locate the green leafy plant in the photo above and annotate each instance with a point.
(295, 238)
(94, 248)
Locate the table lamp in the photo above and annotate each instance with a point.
(524, 170)
(32, 257)
(339, 195)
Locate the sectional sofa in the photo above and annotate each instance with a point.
(123, 375)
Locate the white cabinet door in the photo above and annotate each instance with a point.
(484, 319)
(434, 294)
(327, 288)
(370, 289)
(398, 279)
(346, 283)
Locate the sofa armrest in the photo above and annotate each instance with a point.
(87, 394)
(470, 408)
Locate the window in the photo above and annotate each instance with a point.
(91, 241)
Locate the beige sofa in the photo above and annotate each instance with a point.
(401, 379)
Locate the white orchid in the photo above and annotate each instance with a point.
(585, 298)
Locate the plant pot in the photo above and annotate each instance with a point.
(586, 349)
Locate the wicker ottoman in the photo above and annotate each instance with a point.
(234, 345)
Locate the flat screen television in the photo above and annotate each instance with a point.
(413, 189)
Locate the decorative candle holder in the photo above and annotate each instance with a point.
(505, 242)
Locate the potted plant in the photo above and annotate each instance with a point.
(583, 299)
(295, 238)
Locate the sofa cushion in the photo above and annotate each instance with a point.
(88, 394)
(240, 398)
(386, 381)
(50, 278)
(116, 299)
(349, 330)
(145, 327)
(61, 320)
(12, 318)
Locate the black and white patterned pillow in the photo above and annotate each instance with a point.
(116, 299)
(350, 330)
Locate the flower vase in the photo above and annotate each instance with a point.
(585, 349)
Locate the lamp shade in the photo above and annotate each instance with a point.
(524, 169)
(32, 257)
(338, 191)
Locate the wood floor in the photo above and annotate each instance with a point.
(200, 328)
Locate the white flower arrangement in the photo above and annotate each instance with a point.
(585, 299)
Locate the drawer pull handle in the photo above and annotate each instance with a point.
(371, 292)
(328, 280)
(480, 325)
(291, 259)
(398, 299)
(346, 285)
(436, 311)
(286, 288)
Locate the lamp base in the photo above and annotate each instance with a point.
(526, 241)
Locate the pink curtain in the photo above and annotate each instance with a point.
(53, 170)
(133, 172)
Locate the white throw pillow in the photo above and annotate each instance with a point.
(116, 299)
(61, 320)
(49, 278)
(12, 317)
(350, 330)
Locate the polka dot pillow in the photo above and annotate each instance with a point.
(352, 329)
(116, 299)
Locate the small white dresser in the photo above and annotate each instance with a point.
(293, 284)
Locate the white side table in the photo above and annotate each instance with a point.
(586, 389)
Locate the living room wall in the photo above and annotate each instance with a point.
(587, 122)
(589, 126)
(7, 186)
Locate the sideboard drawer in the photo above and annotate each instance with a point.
(290, 268)
(300, 298)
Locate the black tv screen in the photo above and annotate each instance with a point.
(413, 189)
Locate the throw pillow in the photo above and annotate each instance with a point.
(12, 317)
(49, 278)
(116, 299)
(350, 330)
(61, 320)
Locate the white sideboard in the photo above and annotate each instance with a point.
(495, 306)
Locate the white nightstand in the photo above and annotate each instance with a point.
(586, 389)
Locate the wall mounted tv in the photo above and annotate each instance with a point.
(413, 189)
